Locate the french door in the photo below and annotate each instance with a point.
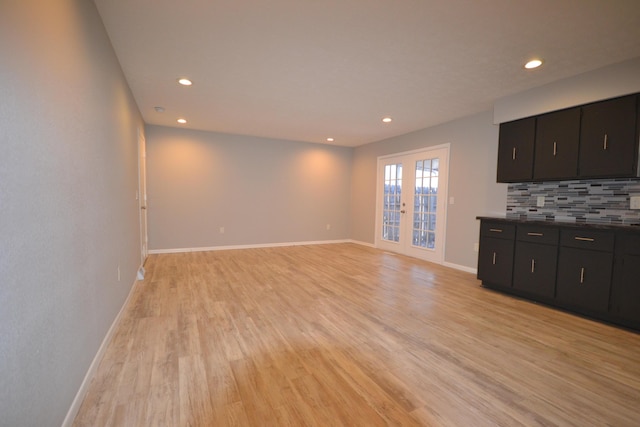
(411, 203)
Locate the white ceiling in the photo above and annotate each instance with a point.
(306, 70)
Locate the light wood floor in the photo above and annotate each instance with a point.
(344, 335)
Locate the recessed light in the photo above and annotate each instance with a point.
(330, 140)
(387, 119)
(534, 63)
(185, 82)
(182, 121)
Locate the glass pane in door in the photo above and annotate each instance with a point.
(424, 203)
(392, 202)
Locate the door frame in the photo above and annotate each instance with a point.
(443, 199)
(142, 201)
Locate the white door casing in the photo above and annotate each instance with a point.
(411, 195)
(142, 200)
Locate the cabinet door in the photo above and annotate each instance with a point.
(625, 294)
(495, 261)
(556, 146)
(584, 278)
(534, 268)
(625, 288)
(515, 150)
(608, 145)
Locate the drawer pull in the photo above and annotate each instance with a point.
(514, 153)
(582, 275)
(585, 239)
(535, 234)
(494, 258)
(605, 145)
(495, 230)
(533, 265)
(555, 148)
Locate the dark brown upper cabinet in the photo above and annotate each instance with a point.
(608, 146)
(597, 140)
(515, 150)
(556, 146)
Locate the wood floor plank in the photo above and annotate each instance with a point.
(345, 335)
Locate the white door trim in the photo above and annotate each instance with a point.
(142, 201)
(442, 200)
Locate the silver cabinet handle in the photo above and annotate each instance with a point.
(582, 275)
(604, 144)
(584, 239)
(495, 230)
(533, 265)
(535, 234)
(494, 258)
(514, 153)
(555, 148)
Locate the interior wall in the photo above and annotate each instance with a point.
(472, 181)
(261, 191)
(603, 83)
(68, 209)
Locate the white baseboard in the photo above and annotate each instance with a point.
(358, 242)
(263, 245)
(84, 387)
(460, 267)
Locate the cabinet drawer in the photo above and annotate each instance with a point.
(538, 234)
(497, 230)
(587, 239)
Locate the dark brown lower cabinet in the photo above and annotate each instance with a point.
(495, 258)
(625, 288)
(534, 269)
(495, 261)
(584, 279)
(591, 270)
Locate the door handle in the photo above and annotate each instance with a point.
(403, 211)
(143, 207)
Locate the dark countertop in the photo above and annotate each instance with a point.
(567, 224)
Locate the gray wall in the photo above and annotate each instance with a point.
(608, 82)
(472, 181)
(262, 191)
(69, 217)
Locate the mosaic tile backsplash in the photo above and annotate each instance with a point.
(591, 201)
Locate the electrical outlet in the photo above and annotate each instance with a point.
(540, 202)
(634, 202)
(328, 227)
(221, 230)
(476, 247)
